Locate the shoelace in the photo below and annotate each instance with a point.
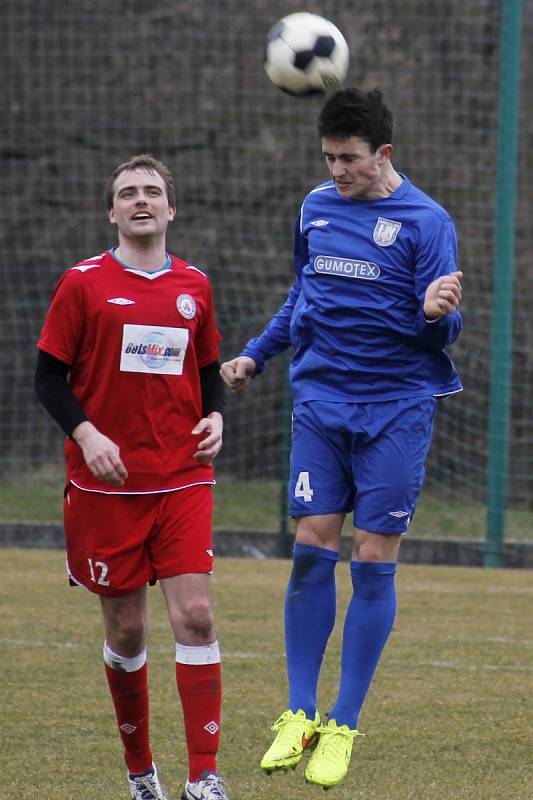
(215, 788)
(287, 718)
(332, 742)
(288, 722)
(148, 788)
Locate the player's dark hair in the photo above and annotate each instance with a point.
(150, 164)
(352, 112)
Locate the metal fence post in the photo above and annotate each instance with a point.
(503, 274)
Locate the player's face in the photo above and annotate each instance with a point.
(355, 168)
(140, 204)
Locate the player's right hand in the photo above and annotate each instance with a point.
(101, 455)
(443, 296)
(238, 373)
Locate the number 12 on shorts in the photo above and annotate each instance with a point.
(101, 568)
(303, 487)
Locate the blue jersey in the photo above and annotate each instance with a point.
(354, 314)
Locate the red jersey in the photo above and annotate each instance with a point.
(135, 342)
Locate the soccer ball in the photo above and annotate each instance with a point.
(306, 54)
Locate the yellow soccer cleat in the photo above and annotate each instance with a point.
(329, 763)
(294, 733)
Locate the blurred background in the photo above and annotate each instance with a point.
(88, 84)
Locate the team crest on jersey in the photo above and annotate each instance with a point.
(186, 306)
(386, 231)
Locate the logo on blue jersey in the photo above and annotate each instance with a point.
(319, 223)
(347, 268)
(386, 231)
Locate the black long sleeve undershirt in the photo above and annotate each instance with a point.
(55, 394)
(212, 388)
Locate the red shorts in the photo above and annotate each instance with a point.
(117, 542)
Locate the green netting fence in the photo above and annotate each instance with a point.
(89, 83)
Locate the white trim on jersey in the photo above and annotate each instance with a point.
(446, 394)
(152, 491)
(143, 274)
(94, 258)
(85, 267)
(321, 188)
(87, 263)
(190, 266)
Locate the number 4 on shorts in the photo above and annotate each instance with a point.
(303, 487)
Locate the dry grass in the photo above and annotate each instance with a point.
(449, 716)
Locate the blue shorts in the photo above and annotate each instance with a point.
(367, 458)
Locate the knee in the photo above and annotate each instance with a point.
(372, 547)
(307, 534)
(198, 618)
(369, 552)
(318, 531)
(127, 636)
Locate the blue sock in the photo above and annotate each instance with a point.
(368, 623)
(310, 606)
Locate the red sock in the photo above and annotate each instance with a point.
(129, 691)
(199, 687)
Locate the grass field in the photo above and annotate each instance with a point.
(449, 716)
(255, 506)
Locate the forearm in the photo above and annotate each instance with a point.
(276, 336)
(440, 332)
(55, 394)
(212, 388)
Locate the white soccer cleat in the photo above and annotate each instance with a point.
(146, 786)
(209, 787)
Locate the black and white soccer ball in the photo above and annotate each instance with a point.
(306, 54)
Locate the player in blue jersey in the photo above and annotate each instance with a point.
(373, 306)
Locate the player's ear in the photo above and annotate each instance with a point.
(111, 215)
(171, 213)
(384, 152)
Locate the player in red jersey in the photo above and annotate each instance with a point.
(128, 367)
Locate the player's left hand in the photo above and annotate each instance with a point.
(211, 428)
(443, 296)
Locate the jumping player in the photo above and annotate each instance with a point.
(128, 367)
(374, 304)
